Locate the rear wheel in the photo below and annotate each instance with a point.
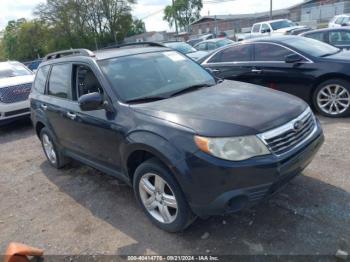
(332, 98)
(53, 155)
(160, 197)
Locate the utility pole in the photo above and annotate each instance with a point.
(177, 32)
(270, 9)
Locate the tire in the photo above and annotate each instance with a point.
(170, 219)
(59, 160)
(332, 98)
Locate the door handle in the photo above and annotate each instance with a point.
(215, 70)
(71, 115)
(43, 106)
(258, 71)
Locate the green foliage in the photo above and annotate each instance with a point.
(64, 24)
(137, 27)
(24, 40)
(184, 12)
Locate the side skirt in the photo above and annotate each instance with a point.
(109, 171)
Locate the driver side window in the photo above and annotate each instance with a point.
(85, 81)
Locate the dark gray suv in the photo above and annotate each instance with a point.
(188, 144)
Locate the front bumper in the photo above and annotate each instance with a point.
(9, 112)
(214, 186)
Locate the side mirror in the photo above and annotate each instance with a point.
(89, 102)
(266, 31)
(293, 58)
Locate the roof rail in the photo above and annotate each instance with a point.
(69, 52)
(155, 44)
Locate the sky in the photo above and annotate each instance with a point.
(151, 10)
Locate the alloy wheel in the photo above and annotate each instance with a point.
(333, 99)
(49, 149)
(158, 198)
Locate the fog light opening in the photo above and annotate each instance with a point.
(237, 203)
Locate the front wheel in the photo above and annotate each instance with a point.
(332, 98)
(160, 197)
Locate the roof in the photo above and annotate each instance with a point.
(119, 52)
(214, 40)
(278, 38)
(108, 53)
(345, 28)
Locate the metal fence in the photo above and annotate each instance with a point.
(322, 12)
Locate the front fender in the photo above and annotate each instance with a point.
(160, 147)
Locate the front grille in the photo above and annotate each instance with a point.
(13, 94)
(283, 139)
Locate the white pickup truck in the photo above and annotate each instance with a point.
(277, 27)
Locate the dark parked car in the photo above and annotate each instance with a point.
(212, 44)
(186, 49)
(189, 146)
(338, 37)
(312, 70)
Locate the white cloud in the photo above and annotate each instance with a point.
(150, 10)
(11, 9)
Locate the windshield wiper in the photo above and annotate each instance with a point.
(146, 99)
(188, 89)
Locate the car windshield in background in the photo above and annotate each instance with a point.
(311, 46)
(154, 75)
(281, 24)
(183, 48)
(12, 70)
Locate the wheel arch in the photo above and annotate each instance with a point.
(327, 77)
(144, 145)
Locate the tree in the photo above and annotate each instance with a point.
(24, 40)
(87, 22)
(137, 27)
(184, 12)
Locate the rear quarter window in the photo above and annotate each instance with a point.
(40, 79)
(239, 53)
(60, 81)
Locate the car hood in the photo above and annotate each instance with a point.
(197, 55)
(16, 80)
(230, 108)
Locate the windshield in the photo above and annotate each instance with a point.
(282, 24)
(181, 47)
(12, 69)
(311, 46)
(153, 75)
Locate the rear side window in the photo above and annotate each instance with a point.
(256, 28)
(339, 37)
(202, 46)
(317, 36)
(40, 79)
(339, 20)
(269, 52)
(60, 81)
(239, 53)
(211, 46)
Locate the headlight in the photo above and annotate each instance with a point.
(232, 148)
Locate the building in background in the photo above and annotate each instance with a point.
(310, 12)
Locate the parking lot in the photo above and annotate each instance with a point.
(78, 210)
